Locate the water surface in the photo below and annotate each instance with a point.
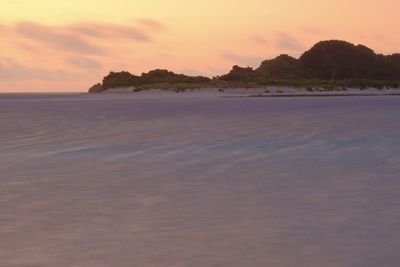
(98, 181)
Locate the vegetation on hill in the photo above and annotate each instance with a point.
(158, 77)
(282, 67)
(340, 60)
(165, 76)
(120, 79)
(328, 64)
(239, 74)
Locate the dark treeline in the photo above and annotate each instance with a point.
(333, 62)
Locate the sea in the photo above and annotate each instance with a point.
(195, 181)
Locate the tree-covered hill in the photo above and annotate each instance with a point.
(339, 60)
(158, 76)
(327, 60)
(335, 62)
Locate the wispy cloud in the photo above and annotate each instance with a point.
(259, 39)
(103, 31)
(242, 59)
(75, 49)
(151, 24)
(56, 38)
(81, 38)
(287, 42)
(313, 31)
(84, 63)
(10, 70)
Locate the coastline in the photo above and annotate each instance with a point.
(271, 91)
(211, 92)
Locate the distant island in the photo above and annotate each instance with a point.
(328, 65)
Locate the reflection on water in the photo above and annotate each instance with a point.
(119, 181)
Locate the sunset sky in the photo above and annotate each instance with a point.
(48, 45)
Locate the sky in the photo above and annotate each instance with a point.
(67, 46)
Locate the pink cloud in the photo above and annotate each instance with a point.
(110, 31)
(81, 38)
(152, 24)
(242, 59)
(10, 70)
(259, 39)
(57, 53)
(313, 31)
(56, 38)
(287, 42)
(84, 63)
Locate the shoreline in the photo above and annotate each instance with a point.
(251, 92)
(254, 92)
(319, 95)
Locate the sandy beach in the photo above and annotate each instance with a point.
(271, 91)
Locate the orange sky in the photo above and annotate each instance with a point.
(48, 45)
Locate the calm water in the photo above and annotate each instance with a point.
(116, 181)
